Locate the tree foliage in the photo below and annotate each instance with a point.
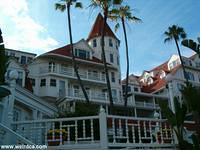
(124, 13)
(3, 67)
(176, 120)
(66, 5)
(176, 33)
(192, 45)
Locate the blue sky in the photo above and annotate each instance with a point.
(35, 26)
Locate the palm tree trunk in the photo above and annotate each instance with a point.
(179, 53)
(127, 62)
(72, 53)
(104, 58)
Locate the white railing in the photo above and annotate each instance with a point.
(146, 104)
(107, 131)
(6, 133)
(62, 131)
(93, 95)
(69, 71)
(126, 131)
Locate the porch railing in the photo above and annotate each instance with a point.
(69, 71)
(107, 131)
(94, 95)
(6, 133)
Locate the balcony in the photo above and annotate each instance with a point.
(93, 95)
(69, 71)
(146, 105)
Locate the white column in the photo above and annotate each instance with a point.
(103, 129)
(34, 114)
(13, 75)
(171, 96)
(171, 99)
(12, 83)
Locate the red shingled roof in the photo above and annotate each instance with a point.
(158, 84)
(97, 29)
(161, 67)
(66, 51)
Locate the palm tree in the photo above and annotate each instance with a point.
(192, 45)
(123, 14)
(176, 33)
(105, 5)
(3, 67)
(176, 119)
(62, 6)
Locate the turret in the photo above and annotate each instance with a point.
(111, 50)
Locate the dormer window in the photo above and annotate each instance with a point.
(162, 74)
(149, 81)
(174, 64)
(94, 43)
(82, 54)
(110, 43)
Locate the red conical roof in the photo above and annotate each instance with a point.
(97, 29)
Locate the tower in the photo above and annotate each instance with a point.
(111, 51)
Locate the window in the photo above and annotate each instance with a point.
(6, 53)
(198, 64)
(180, 86)
(16, 114)
(114, 94)
(116, 44)
(112, 76)
(29, 59)
(12, 54)
(162, 74)
(94, 43)
(190, 76)
(111, 58)
(124, 88)
(20, 78)
(52, 66)
(52, 82)
(117, 60)
(43, 82)
(136, 89)
(82, 54)
(171, 66)
(33, 82)
(199, 77)
(110, 43)
(23, 59)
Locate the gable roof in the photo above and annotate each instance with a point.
(163, 67)
(156, 85)
(97, 29)
(66, 51)
(158, 82)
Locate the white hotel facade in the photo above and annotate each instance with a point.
(47, 84)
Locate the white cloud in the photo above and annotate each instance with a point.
(21, 31)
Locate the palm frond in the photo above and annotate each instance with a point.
(198, 39)
(175, 32)
(78, 5)
(61, 7)
(167, 40)
(117, 2)
(192, 45)
(117, 27)
(135, 19)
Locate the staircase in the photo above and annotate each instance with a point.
(8, 136)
